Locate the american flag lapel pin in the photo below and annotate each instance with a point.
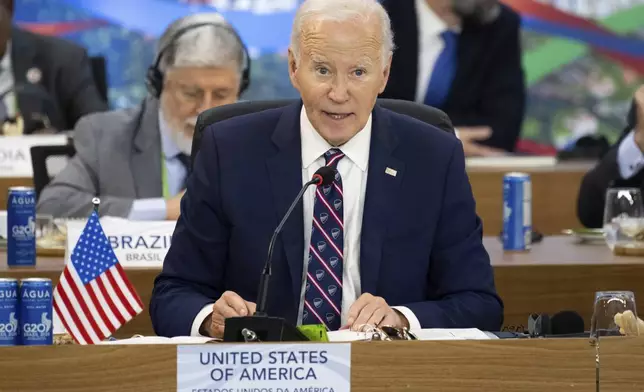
(391, 172)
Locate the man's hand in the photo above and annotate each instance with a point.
(639, 117)
(230, 304)
(173, 207)
(469, 137)
(374, 310)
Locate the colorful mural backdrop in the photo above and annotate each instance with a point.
(583, 58)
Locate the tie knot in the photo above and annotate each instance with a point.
(333, 156)
(184, 159)
(449, 37)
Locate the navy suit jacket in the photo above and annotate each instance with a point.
(421, 243)
(489, 85)
(605, 175)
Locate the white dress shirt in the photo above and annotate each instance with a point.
(430, 45)
(629, 157)
(7, 84)
(353, 171)
(155, 208)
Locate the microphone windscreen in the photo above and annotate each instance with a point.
(566, 322)
(326, 173)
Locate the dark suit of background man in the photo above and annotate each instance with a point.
(620, 167)
(46, 80)
(464, 57)
(395, 240)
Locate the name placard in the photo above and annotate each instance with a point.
(135, 243)
(15, 156)
(311, 367)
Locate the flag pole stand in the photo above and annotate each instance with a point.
(96, 202)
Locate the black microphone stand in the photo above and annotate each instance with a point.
(262, 292)
(260, 326)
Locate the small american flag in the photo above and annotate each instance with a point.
(94, 297)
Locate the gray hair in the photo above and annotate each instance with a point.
(213, 45)
(340, 11)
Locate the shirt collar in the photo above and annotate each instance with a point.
(429, 24)
(314, 145)
(169, 148)
(5, 62)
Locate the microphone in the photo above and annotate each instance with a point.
(323, 176)
(263, 327)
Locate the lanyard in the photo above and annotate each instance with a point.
(164, 179)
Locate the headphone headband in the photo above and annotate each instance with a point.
(154, 75)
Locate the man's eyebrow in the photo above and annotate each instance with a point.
(365, 61)
(318, 59)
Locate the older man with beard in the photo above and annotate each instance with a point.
(136, 160)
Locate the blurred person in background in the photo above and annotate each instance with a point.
(46, 83)
(464, 57)
(137, 160)
(620, 167)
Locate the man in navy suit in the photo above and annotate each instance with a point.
(395, 239)
(463, 57)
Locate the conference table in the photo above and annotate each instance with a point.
(554, 194)
(554, 189)
(512, 365)
(557, 274)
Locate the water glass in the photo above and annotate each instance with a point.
(624, 218)
(614, 314)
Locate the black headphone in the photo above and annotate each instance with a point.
(566, 323)
(154, 76)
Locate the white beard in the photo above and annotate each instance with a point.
(183, 143)
(179, 137)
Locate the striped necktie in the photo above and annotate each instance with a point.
(323, 292)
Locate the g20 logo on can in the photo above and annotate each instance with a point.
(24, 231)
(37, 329)
(10, 328)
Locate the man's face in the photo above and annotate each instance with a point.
(188, 91)
(339, 75)
(474, 10)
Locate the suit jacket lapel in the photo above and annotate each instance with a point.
(405, 25)
(471, 42)
(384, 177)
(23, 56)
(285, 175)
(147, 156)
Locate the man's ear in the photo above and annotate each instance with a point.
(385, 73)
(292, 67)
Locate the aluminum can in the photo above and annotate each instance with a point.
(9, 308)
(517, 212)
(21, 227)
(36, 311)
